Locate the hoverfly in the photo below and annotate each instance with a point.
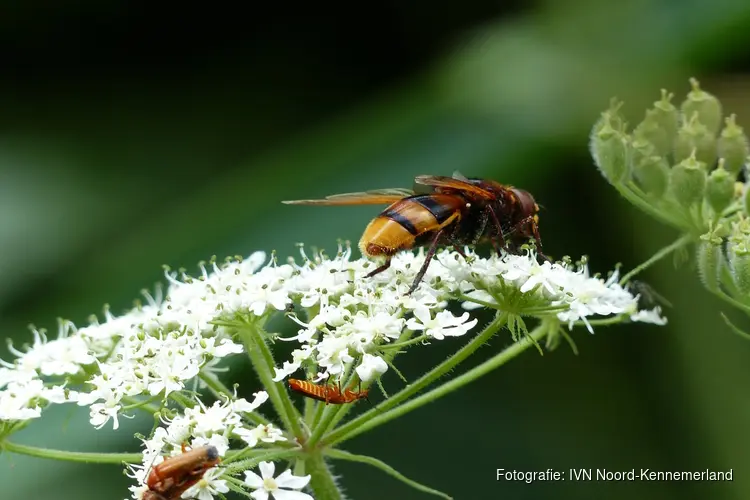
(455, 210)
(328, 393)
(171, 478)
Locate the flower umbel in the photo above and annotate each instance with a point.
(165, 357)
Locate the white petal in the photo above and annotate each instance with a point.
(259, 494)
(287, 480)
(253, 480)
(291, 495)
(266, 469)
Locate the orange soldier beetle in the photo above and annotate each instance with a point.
(328, 393)
(175, 475)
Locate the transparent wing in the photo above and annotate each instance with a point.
(374, 197)
(454, 184)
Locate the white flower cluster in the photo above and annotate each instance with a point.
(557, 285)
(156, 348)
(204, 426)
(356, 317)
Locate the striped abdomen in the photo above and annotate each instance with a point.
(327, 393)
(405, 224)
(319, 392)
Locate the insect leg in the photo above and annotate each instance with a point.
(428, 258)
(500, 233)
(458, 250)
(530, 222)
(380, 269)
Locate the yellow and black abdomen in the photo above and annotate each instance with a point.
(406, 222)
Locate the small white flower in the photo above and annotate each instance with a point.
(653, 316)
(444, 324)
(222, 349)
(482, 295)
(215, 418)
(289, 367)
(379, 325)
(101, 413)
(280, 488)
(18, 400)
(333, 354)
(208, 486)
(371, 367)
(243, 405)
(266, 433)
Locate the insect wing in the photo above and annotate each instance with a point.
(459, 176)
(375, 197)
(450, 183)
(181, 463)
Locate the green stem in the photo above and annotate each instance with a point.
(143, 405)
(342, 411)
(490, 305)
(351, 457)
(399, 345)
(678, 243)
(614, 320)
(734, 328)
(240, 463)
(498, 360)
(71, 456)
(731, 300)
(319, 409)
(309, 411)
(218, 389)
(330, 412)
(322, 482)
(262, 360)
(629, 194)
(181, 399)
(350, 427)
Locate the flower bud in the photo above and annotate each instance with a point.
(695, 136)
(719, 188)
(740, 230)
(610, 145)
(709, 260)
(706, 105)
(739, 265)
(688, 180)
(733, 146)
(649, 169)
(660, 125)
(739, 189)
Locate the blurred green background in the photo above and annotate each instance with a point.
(136, 134)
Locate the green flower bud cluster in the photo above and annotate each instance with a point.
(679, 164)
(686, 165)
